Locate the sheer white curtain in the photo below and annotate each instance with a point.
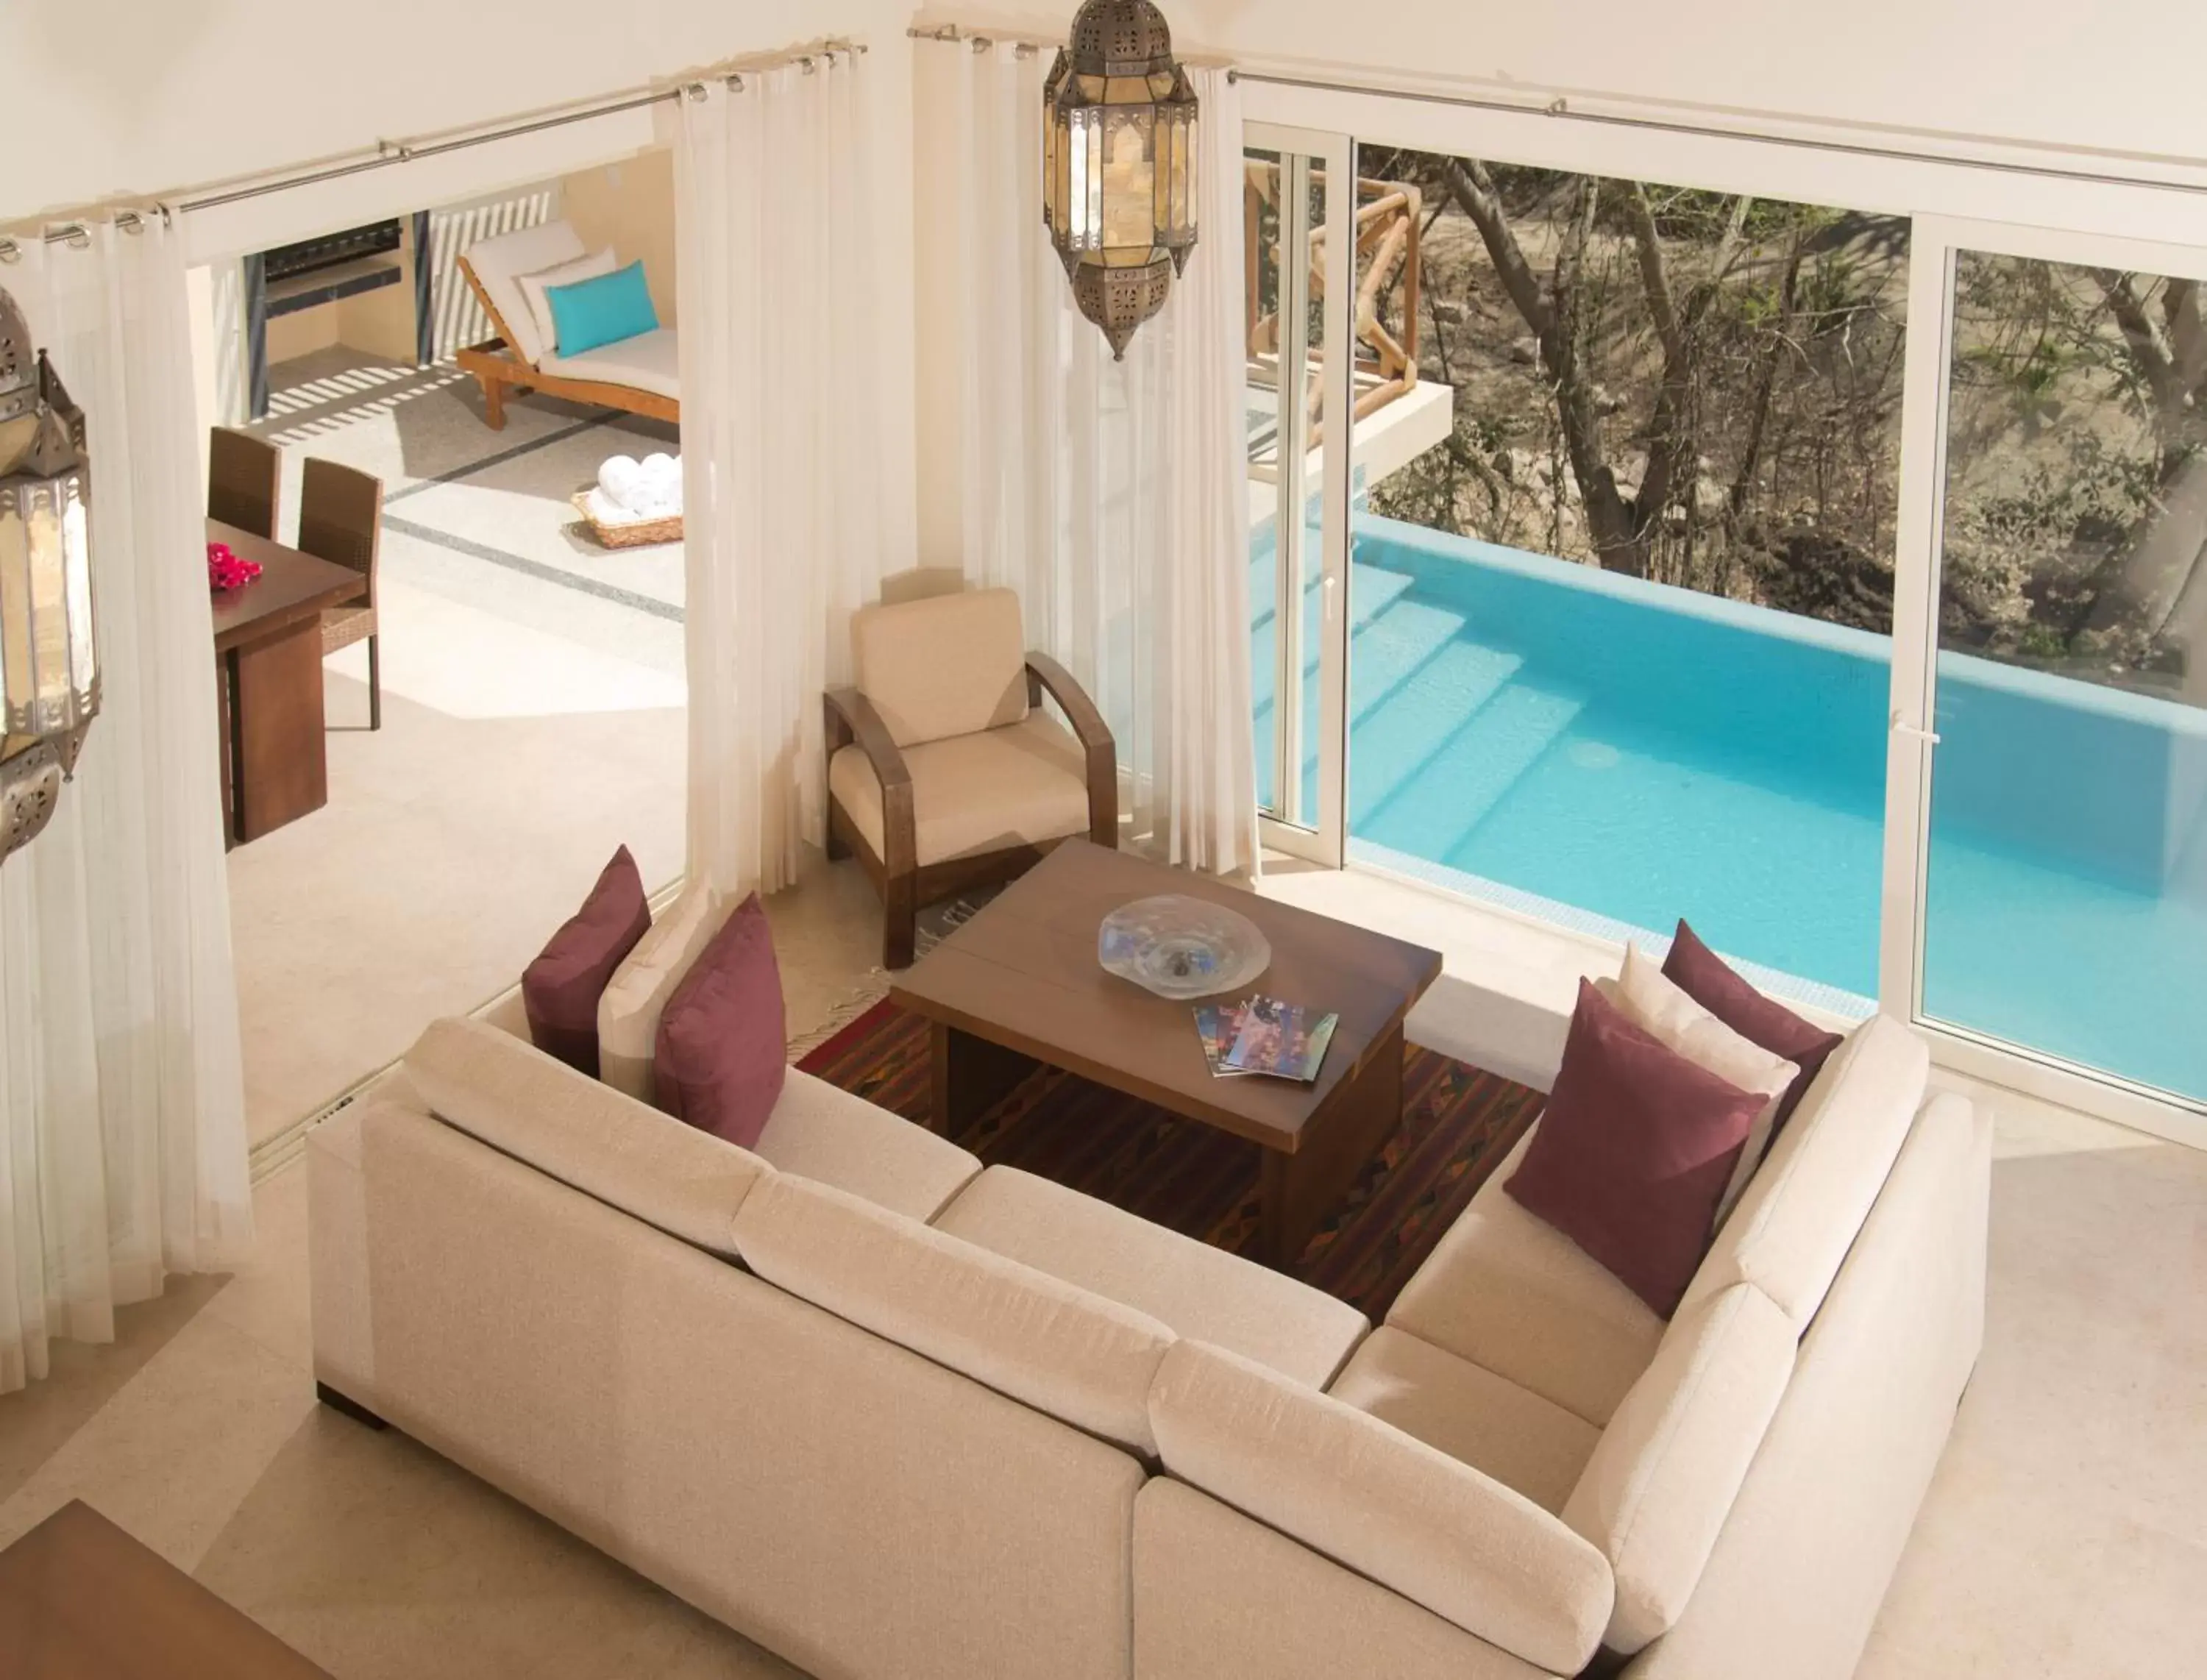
(784, 433)
(1111, 495)
(122, 1144)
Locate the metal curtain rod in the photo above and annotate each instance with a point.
(950, 34)
(79, 233)
(398, 151)
(1560, 108)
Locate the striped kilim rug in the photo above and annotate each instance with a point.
(1458, 1123)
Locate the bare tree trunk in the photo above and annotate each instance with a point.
(1765, 385)
(1552, 317)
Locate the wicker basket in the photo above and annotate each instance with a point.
(639, 534)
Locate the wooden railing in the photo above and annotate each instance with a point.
(1388, 222)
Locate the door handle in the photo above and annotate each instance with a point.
(1332, 588)
(1930, 738)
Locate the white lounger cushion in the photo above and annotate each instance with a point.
(649, 362)
(499, 265)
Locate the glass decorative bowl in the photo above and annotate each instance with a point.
(1182, 947)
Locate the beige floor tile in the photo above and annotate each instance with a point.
(380, 1561)
(176, 1449)
(36, 1422)
(268, 1297)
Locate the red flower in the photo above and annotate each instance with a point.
(227, 569)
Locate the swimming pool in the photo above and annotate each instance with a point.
(1614, 753)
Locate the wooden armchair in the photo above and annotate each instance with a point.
(943, 772)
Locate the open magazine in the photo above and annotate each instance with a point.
(1264, 1036)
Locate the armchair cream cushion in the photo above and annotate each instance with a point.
(1019, 785)
(943, 666)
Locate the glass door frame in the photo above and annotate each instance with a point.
(1326, 843)
(1935, 248)
(2065, 205)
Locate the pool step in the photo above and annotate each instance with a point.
(1431, 810)
(1372, 593)
(1391, 651)
(1415, 719)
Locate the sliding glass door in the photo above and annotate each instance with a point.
(2064, 894)
(1296, 263)
(1626, 459)
(1831, 574)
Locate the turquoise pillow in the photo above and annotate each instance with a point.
(601, 311)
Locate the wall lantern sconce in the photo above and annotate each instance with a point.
(1120, 134)
(49, 661)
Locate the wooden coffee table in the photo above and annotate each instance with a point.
(1020, 984)
(79, 1600)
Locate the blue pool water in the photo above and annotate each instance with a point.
(1619, 754)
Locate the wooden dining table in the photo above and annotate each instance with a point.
(268, 679)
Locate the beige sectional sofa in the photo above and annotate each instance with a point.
(891, 1414)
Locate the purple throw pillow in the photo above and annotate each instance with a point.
(719, 1059)
(559, 990)
(1704, 976)
(1633, 1152)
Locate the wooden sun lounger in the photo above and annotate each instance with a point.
(498, 368)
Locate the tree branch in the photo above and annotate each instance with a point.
(1471, 186)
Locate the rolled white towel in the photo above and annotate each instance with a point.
(604, 510)
(620, 478)
(660, 471)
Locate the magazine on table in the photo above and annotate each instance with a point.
(1218, 1025)
(1267, 1036)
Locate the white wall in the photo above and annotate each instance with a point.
(108, 97)
(2073, 74)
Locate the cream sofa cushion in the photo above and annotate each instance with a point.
(1530, 1445)
(820, 1132)
(1809, 1547)
(1662, 1479)
(859, 1507)
(499, 265)
(1077, 1356)
(1508, 1291)
(505, 1092)
(1383, 1504)
(1801, 1212)
(1200, 1291)
(1217, 1597)
(942, 665)
(630, 1007)
(1662, 1008)
(534, 287)
(1021, 785)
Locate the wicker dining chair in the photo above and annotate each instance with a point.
(245, 477)
(340, 519)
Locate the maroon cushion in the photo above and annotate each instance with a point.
(1633, 1152)
(719, 1059)
(559, 990)
(1703, 975)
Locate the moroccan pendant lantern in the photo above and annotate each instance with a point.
(1119, 163)
(49, 660)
